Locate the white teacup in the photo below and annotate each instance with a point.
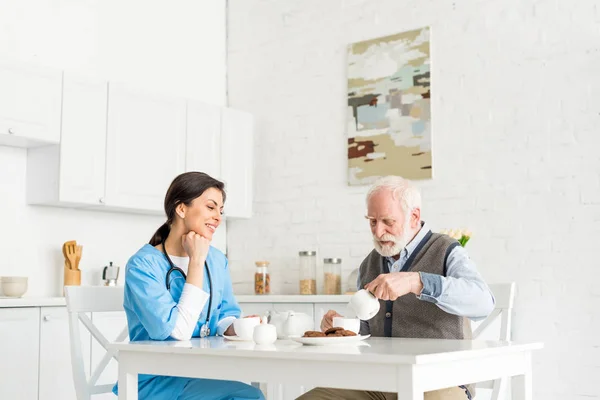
(244, 327)
(364, 304)
(349, 324)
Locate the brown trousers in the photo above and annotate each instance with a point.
(454, 393)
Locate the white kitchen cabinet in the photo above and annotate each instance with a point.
(110, 324)
(19, 344)
(73, 173)
(237, 161)
(145, 148)
(56, 373)
(30, 103)
(105, 146)
(203, 146)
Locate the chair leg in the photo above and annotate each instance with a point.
(499, 390)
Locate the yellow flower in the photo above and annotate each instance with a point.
(462, 235)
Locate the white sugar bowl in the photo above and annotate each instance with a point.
(264, 333)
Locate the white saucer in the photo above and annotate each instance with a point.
(236, 339)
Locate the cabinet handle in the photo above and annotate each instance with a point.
(101, 200)
(46, 318)
(10, 131)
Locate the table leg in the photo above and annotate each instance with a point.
(128, 380)
(521, 384)
(409, 387)
(410, 393)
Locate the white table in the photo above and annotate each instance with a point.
(409, 367)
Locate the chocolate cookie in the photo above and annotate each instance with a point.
(347, 333)
(313, 334)
(333, 330)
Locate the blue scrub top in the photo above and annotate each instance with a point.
(152, 310)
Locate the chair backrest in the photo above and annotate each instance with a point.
(504, 293)
(82, 300)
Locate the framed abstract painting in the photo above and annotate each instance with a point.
(389, 108)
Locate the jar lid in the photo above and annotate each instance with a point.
(261, 263)
(307, 253)
(332, 260)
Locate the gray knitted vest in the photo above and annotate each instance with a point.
(407, 316)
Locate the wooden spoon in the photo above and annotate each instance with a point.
(69, 252)
(64, 251)
(78, 251)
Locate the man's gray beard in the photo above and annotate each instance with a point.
(389, 251)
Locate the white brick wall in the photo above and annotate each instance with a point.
(516, 105)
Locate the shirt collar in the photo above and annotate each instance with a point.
(412, 245)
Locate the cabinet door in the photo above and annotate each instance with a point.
(30, 102)
(110, 325)
(145, 148)
(237, 163)
(56, 371)
(83, 141)
(203, 139)
(19, 346)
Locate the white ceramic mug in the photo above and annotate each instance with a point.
(244, 327)
(349, 324)
(364, 304)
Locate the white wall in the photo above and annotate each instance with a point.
(174, 47)
(515, 116)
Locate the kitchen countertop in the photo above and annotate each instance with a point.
(10, 302)
(295, 298)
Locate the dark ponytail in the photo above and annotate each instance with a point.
(161, 234)
(184, 189)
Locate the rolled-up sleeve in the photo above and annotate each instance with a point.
(462, 291)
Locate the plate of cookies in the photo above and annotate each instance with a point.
(334, 335)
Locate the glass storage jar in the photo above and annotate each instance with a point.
(332, 276)
(308, 272)
(262, 279)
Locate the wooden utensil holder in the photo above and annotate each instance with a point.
(72, 277)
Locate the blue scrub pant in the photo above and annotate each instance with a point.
(177, 388)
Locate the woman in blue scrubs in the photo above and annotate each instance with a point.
(178, 287)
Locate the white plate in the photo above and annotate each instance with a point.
(236, 339)
(324, 341)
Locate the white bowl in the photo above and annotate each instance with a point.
(14, 286)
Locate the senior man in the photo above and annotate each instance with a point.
(425, 282)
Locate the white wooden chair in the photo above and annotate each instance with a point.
(505, 295)
(82, 300)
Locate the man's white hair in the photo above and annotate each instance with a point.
(402, 189)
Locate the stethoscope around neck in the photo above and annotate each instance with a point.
(205, 330)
